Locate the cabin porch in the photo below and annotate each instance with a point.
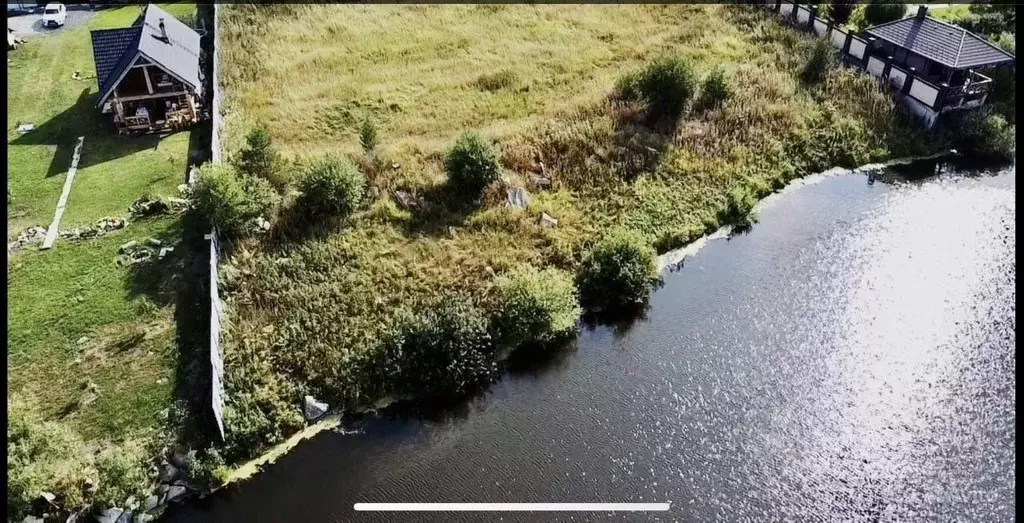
(156, 113)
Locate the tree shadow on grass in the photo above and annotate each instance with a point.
(182, 279)
(102, 143)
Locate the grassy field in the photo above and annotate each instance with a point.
(91, 344)
(307, 312)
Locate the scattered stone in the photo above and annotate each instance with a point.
(546, 220)
(262, 224)
(489, 270)
(33, 519)
(48, 496)
(164, 251)
(142, 517)
(408, 202)
(110, 515)
(518, 198)
(155, 242)
(169, 474)
(178, 204)
(126, 517)
(178, 459)
(128, 247)
(175, 492)
(395, 166)
(26, 127)
(147, 206)
(314, 409)
(150, 503)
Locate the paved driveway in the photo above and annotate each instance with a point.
(27, 26)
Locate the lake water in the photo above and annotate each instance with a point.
(850, 358)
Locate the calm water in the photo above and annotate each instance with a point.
(850, 358)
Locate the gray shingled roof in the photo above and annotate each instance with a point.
(114, 49)
(946, 44)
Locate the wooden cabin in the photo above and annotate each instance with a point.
(149, 74)
(943, 55)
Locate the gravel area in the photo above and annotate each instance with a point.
(27, 26)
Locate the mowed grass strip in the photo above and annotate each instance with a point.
(113, 171)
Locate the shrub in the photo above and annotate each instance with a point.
(471, 163)
(259, 158)
(445, 349)
(368, 135)
(840, 10)
(821, 60)
(331, 186)
(739, 206)
(983, 134)
(627, 87)
(878, 12)
(207, 468)
(619, 272)
(666, 86)
(497, 81)
(714, 91)
(536, 305)
(42, 456)
(123, 473)
(230, 201)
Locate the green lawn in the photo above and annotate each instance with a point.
(113, 170)
(91, 343)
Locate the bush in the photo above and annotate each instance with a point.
(536, 305)
(877, 12)
(840, 10)
(230, 201)
(497, 81)
(627, 87)
(471, 163)
(332, 186)
(123, 473)
(259, 158)
(982, 133)
(665, 87)
(714, 91)
(618, 273)
(739, 207)
(368, 136)
(819, 63)
(446, 349)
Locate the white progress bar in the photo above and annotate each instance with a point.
(511, 507)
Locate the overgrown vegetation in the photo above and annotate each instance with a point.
(982, 133)
(821, 60)
(259, 159)
(618, 273)
(231, 201)
(536, 305)
(591, 163)
(715, 90)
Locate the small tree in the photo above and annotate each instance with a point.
(878, 12)
(259, 158)
(471, 163)
(821, 60)
(715, 90)
(666, 86)
(332, 186)
(618, 273)
(368, 136)
(230, 201)
(536, 305)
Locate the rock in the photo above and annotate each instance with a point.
(489, 270)
(142, 517)
(541, 181)
(407, 201)
(175, 492)
(314, 409)
(395, 166)
(164, 251)
(178, 459)
(546, 220)
(452, 233)
(110, 515)
(150, 503)
(33, 519)
(82, 340)
(126, 517)
(130, 246)
(48, 496)
(169, 474)
(26, 127)
(517, 198)
(155, 242)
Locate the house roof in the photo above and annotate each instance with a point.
(947, 44)
(114, 50)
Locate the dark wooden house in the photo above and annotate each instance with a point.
(946, 56)
(149, 74)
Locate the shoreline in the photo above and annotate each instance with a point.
(666, 261)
